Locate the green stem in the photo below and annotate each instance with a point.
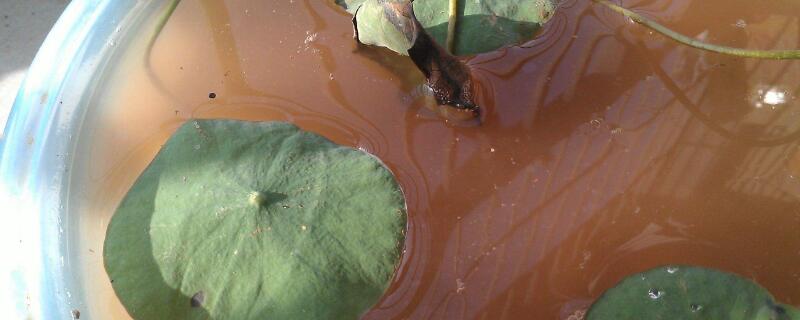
(162, 21)
(760, 54)
(452, 17)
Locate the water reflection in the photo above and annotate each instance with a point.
(763, 96)
(610, 129)
(605, 149)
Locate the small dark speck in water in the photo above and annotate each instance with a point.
(76, 314)
(212, 95)
(197, 299)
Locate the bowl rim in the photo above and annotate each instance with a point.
(40, 277)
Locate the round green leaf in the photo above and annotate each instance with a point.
(683, 292)
(481, 26)
(384, 23)
(249, 220)
(350, 5)
(484, 25)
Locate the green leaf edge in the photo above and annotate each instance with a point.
(401, 239)
(784, 311)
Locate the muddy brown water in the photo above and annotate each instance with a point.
(604, 149)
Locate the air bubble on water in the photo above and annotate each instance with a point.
(695, 307)
(774, 97)
(460, 286)
(672, 270)
(768, 96)
(197, 147)
(112, 43)
(741, 23)
(586, 256)
(310, 37)
(655, 294)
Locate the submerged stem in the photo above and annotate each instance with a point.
(759, 54)
(452, 17)
(162, 21)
